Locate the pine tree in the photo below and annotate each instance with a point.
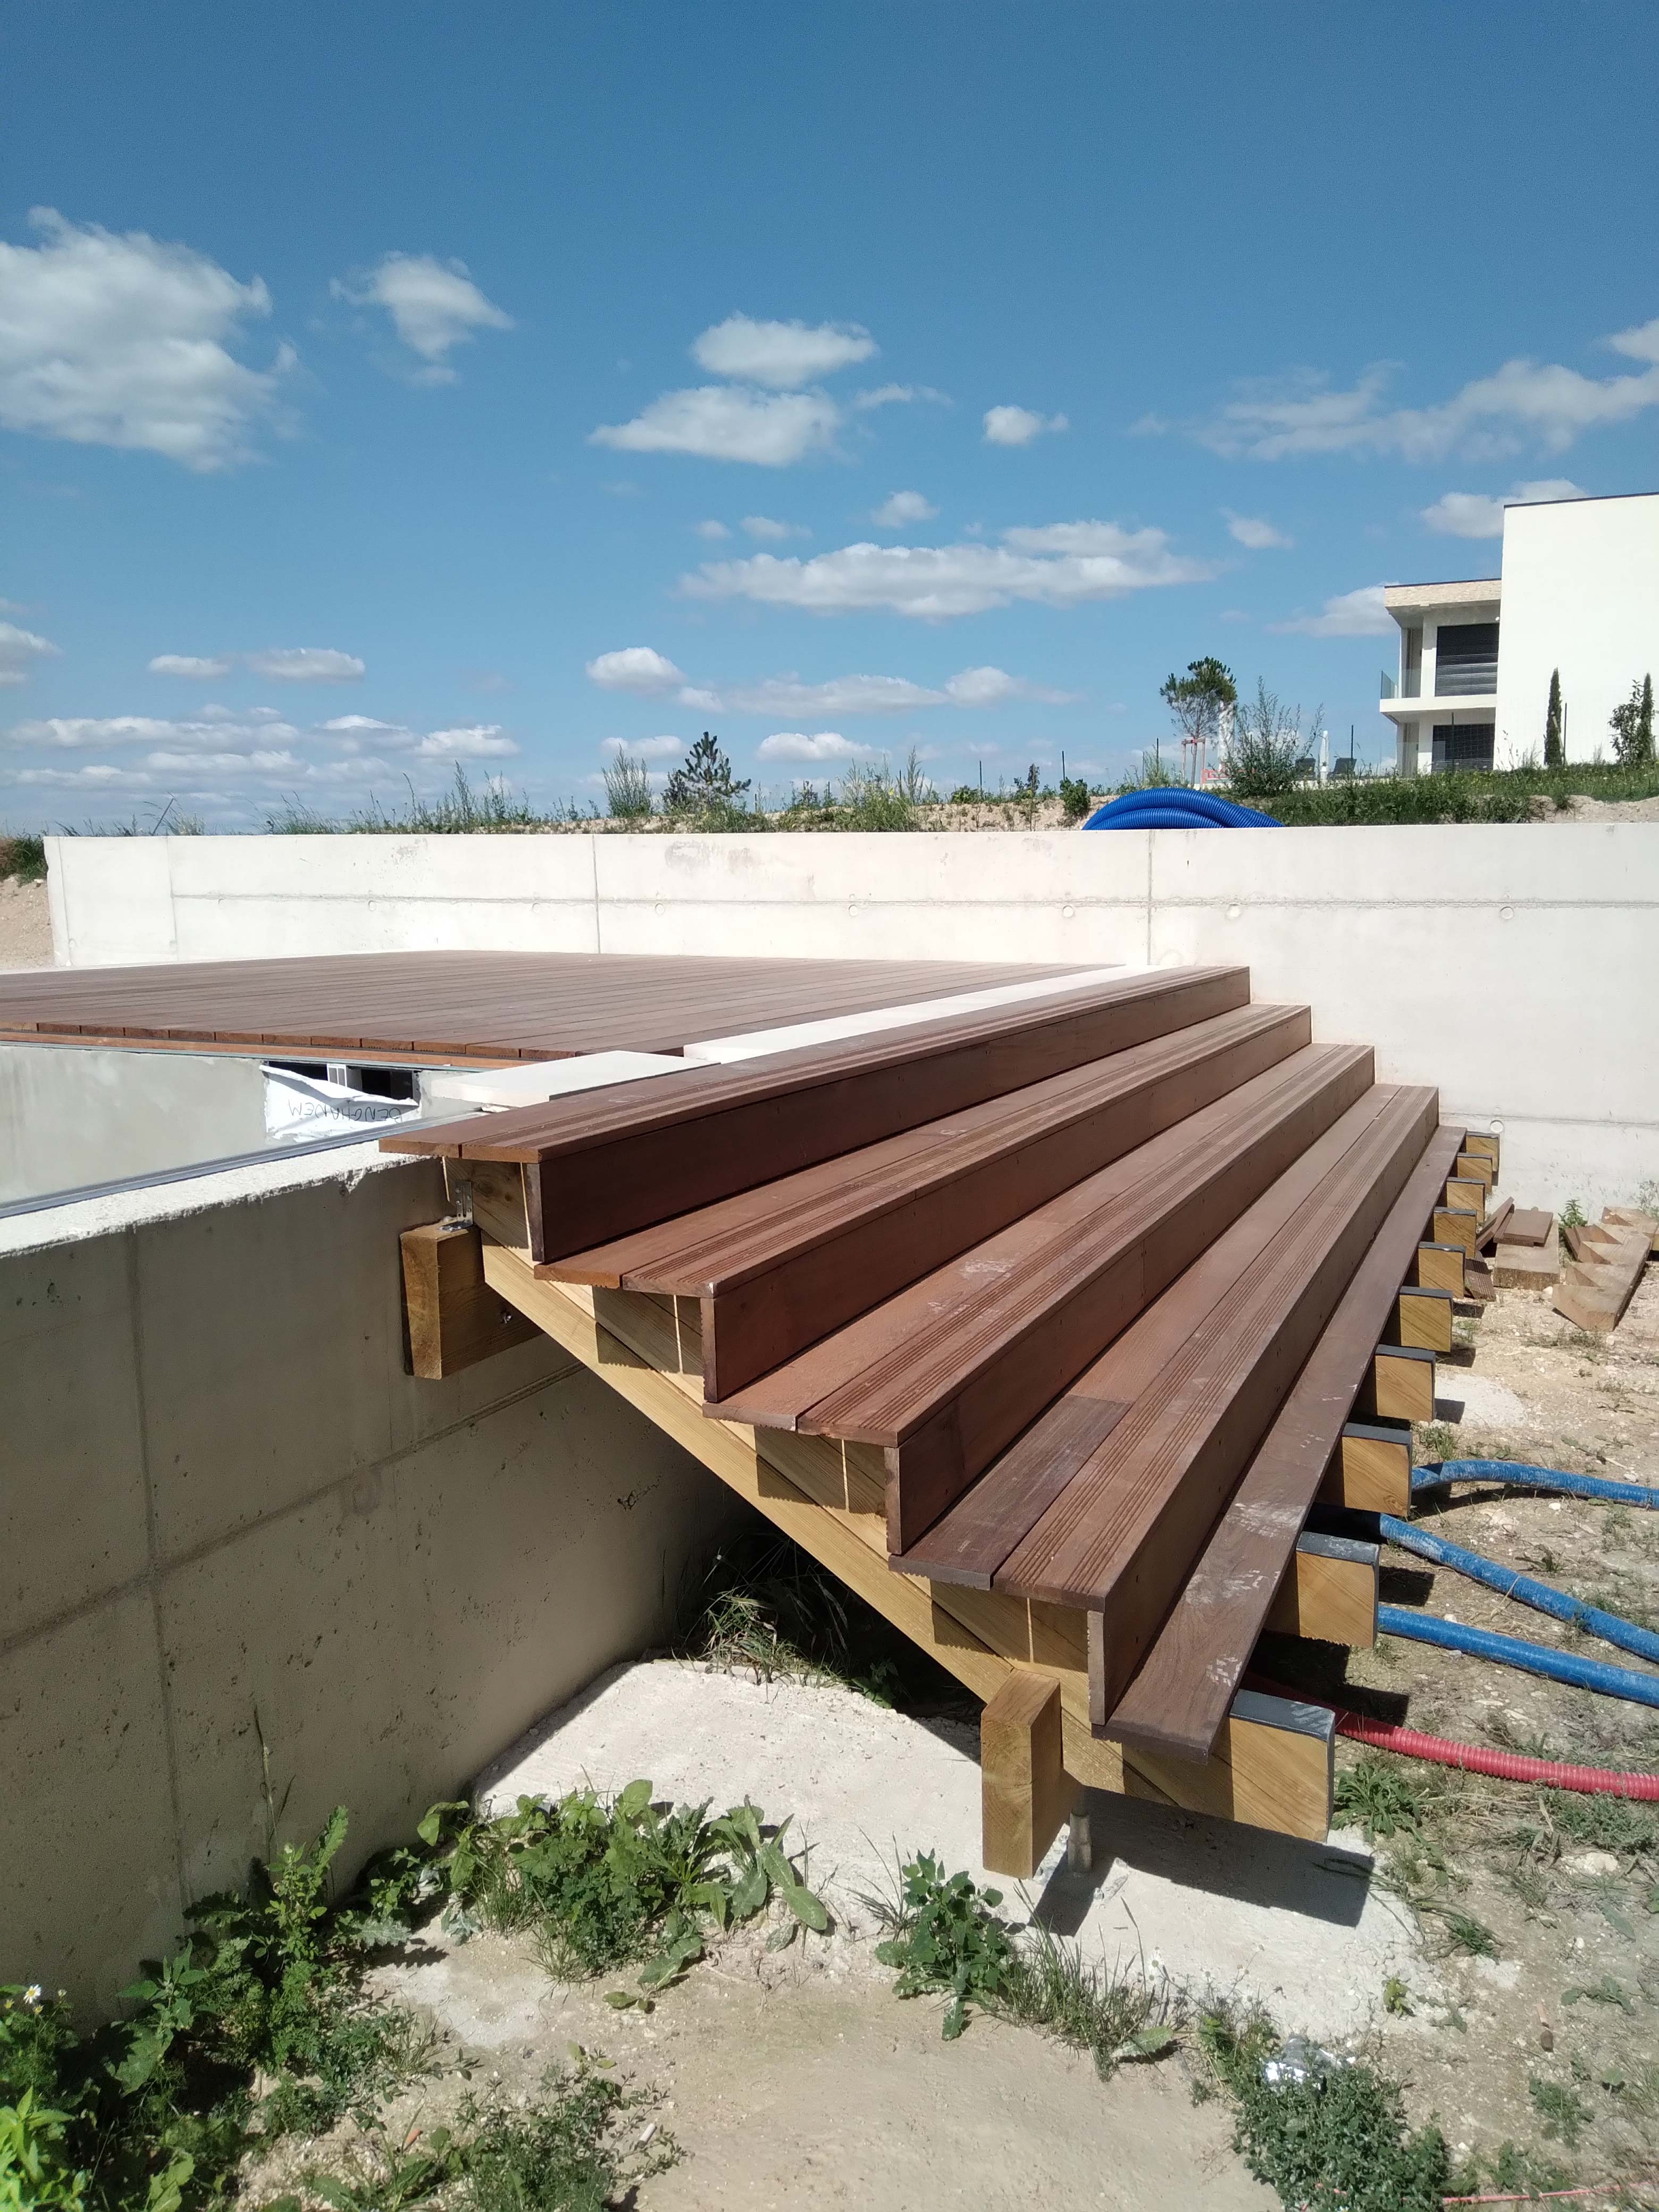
(704, 782)
(1644, 725)
(1555, 753)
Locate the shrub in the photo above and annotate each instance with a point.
(1264, 747)
(703, 783)
(22, 856)
(1075, 798)
(627, 789)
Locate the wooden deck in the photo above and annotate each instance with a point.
(1044, 1328)
(488, 1006)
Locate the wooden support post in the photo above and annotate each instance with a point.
(1422, 1317)
(1440, 1268)
(1470, 1197)
(1486, 1146)
(1330, 1593)
(1473, 1167)
(453, 1318)
(1400, 1384)
(1456, 1225)
(1370, 1471)
(1025, 1790)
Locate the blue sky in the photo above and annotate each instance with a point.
(382, 385)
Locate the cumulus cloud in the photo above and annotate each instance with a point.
(1351, 614)
(475, 741)
(647, 748)
(634, 668)
(711, 529)
(867, 694)
(899, 508)
(782, 356)
(821, 745)
(306, 664)
(1018, 426)
(727, 423)
(1059, 565)
(20, 649)
(1524, 402)
(1473, 514)
(1252, 531)
(898, 395)
(197, 666)
(213, 732)
(123, 341)
(763, 527)
(434, 306)
(993, 687)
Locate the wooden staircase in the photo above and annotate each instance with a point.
(1042, 1328)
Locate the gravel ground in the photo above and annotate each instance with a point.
(25, 925)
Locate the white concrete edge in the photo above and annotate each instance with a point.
(533, 1081)
(752, 1044)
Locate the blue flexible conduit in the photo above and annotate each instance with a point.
(1175, 806)
(1517, 1476)
(1535, 1658)
(1508, 1583)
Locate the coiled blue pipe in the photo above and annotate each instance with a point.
(1519, 1476)
(1174, 806)
(1512, 1651)
(1541, 1596)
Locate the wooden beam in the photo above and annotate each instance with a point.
(1330, 1595)
(1486, 1146)
(1469, 1197)
(1400, 1385)
(1025, 1792)
(453, 1317)
(1422, 1317)
(1273, 1769)
(1473, 1167)
(1370, 1471)
(1458, 1225)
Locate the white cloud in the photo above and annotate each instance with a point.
(822, 746)
(188, 663)
(715, 530)
(1351, 614)
(900, 508)
(647, 748)
(780, 354)
(992, 687)
(867, 694)
(477, 741)
(1063, 565)
(725, 423)
(306, 664)
(763, 527)
(634, 668)
(19, 651)
(1252, 531)
(1540, 402)
(433, 305)
(212, 732)
(123, 341)
(1473, 514)
(1018, 426)
(898, 395)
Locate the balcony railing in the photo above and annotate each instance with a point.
(1390, 689)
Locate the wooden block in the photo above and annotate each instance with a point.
(1529, 1224)
(1486, 1146)
(1477, 1281)
(1439, 1267)
(1370, 1471)
(1331, 1593)
(1467, 1196)
(1471, 1166)
(496, 1195)
(1629, 1216)
(1025, 1792)
(454, 1319)
(1528, 1266)
(1424, 1317)
(1594, 1292)
(1456, 1225)
(1273, 1768)
(1400, 1386)
(1494, 1225)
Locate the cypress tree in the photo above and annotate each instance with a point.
(1644, 725)
(1554, 750)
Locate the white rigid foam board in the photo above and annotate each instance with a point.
(533, 1081)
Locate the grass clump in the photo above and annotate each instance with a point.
(23, 856)
(1323, 2132)
(1563, 2115)
(947, 1939)
(1376, 1793)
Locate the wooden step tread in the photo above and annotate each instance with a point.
(1178, 1701)
(975, 1540)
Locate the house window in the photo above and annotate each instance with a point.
(1465, 659)
(1463, 745)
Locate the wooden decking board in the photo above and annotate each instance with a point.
(1178, 1701)
(986, 1527)
(1125, 1532)
(500, 1005)
(613, 1164)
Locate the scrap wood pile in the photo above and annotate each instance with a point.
(1116, 1284)
(1599, 1281)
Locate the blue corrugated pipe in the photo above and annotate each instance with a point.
(1508, 1583)
(1519, 1476)
(1535, 1658)
(1175, 806)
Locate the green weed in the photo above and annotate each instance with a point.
(1565, 2116)
(1377, 1792)
(1432, 1442)
(23, 856)
(947, 1938)
(1521, 2170)
(1472, 1937)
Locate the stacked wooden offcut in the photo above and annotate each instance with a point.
(1609, 1257)
(1107, 1289)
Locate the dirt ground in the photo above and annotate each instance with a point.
(25, 925)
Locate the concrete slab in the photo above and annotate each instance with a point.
(1218, 1908)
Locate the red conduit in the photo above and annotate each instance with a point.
(1475, 1758)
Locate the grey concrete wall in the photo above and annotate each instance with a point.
(74, 1114)
(1511, 965)
(227, 1512)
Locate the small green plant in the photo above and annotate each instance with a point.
(1396, 1997)
(36, 2174)
(23, 856)
(947, 1938)
(1433, 1442)
(1522, 2171)
(1074, 797)
(1632, 724)
(1263, 748)
(627, 788)
(1472, 1937)
(1606, 1991)
(870, 799)
(1377, 1792)
(1573, 1215)
(1564, 2116)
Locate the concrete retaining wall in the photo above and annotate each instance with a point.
(226, 1513)
(1514, 966)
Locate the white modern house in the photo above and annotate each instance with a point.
(1579, 593)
